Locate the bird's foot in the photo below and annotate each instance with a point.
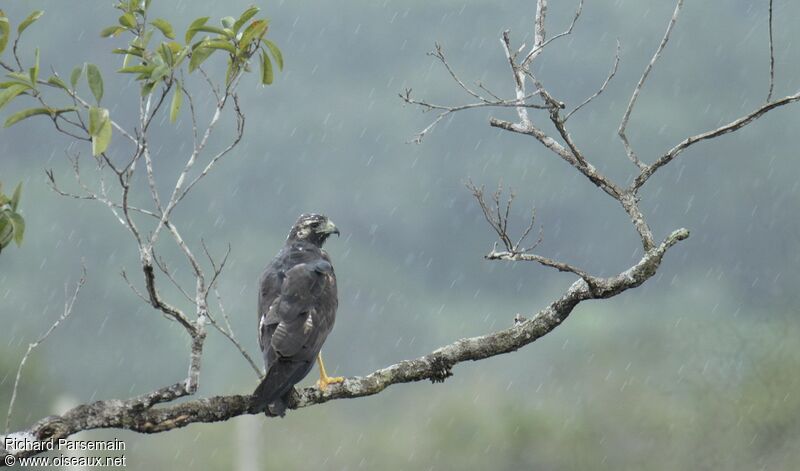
(324, 379)
(323, 382)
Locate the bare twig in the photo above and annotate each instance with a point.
(447, 110)
(438, 53)
(498, 218)
(771, 57)
(735, 125)
(231, 336)
(602, 87)
(162, 265)
(624, 123)
(68, 305)
(539, 25)
(132, 287)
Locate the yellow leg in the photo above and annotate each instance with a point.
(324, 379)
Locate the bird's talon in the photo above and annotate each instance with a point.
(322, 384)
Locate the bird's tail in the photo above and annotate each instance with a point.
(278, 381)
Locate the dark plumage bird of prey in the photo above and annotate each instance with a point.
(297, 304)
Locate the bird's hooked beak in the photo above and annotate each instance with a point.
(330, 228)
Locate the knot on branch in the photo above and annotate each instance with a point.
(441, 368)
(51, 428)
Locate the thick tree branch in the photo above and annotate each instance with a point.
(139, 414)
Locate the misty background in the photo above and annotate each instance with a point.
(696, 369)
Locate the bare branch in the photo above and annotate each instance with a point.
(539, 25)
(132, 287)
(602, 87)
(155, 300)
(735, 125)
(231, 336)
(529, 257)
(498, 217)
(68, 305)
(84, 104)
(518, 74)
(447, 110)
(240, 122)
(539, 34)
(624, 123)
(771, 57)
(438, 53)
(162, 265)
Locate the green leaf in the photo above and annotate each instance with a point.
(34, 71)
(165, 27)
(132, 52)
(181, 55)
(246, 16)
(148, 35)
(159, 72)
(169, 51)
(276, 53)
(6, 229)
(266, 69)
(147, 88)
(193, 28)
(96, 117)
(29, 21)
(165, 53)
(24, 114)
(137, 69)
(4, 32)
(128, 20)
(255, 31)
(75, 76)
(228, 22)
(212, 29)
(175, 106)
(11, 92)
(15, 197)
(25, 79)
(95, 80)
(112, 31)
(222, 45)
(100, 129)
(199, 55)
(55, 80)
(19, 227)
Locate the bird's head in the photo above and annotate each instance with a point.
(313, 228)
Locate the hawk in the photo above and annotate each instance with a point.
(297, 303)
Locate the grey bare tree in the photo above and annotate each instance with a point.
(164, 74)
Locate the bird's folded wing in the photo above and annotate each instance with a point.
(296, 308)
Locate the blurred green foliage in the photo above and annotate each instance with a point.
(12, 224)
(241, 39)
